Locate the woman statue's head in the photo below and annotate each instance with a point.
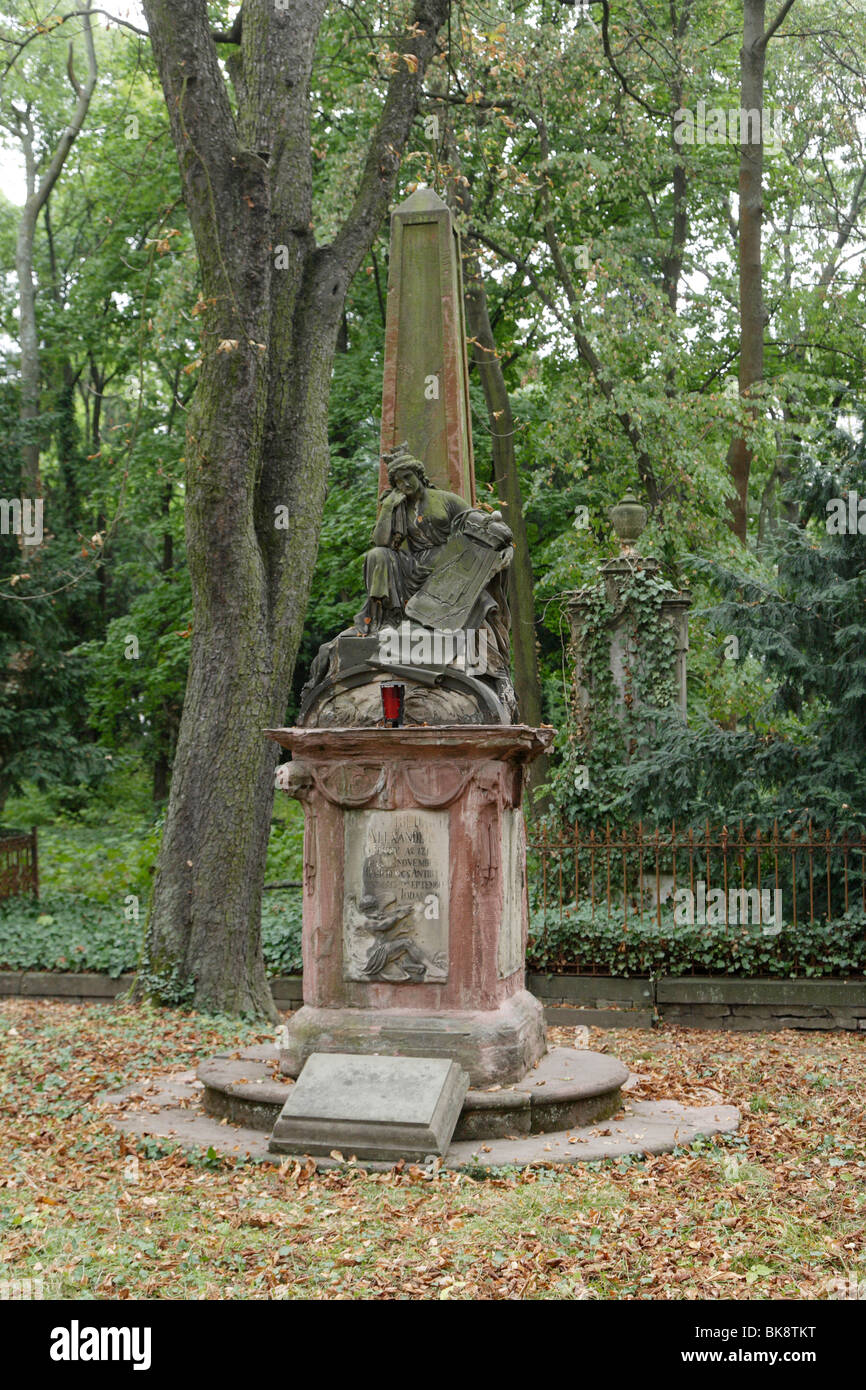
(405, 473)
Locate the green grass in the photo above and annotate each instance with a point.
(776, 1210)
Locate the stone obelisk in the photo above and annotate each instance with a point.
(425, 392)
(415, 901)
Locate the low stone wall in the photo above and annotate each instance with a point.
(601, 1001)
(84, 988)
(704, 1001)
(730, 1004)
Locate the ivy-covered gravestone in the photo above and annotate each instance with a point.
(629, 634)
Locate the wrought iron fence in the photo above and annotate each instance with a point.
(635, 874)
(19, 863)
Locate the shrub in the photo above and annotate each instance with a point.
(64, 931)
(573, 943)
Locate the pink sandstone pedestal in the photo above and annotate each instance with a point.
(415, 907)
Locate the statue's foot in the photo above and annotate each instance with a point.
(369, 620)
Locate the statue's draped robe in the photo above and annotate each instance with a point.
(404, 539)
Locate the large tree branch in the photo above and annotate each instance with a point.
(416, 48)
(232, 35)
(271, 74)
(776, 24)
(846, 226)
(201, 117)
(70, 134)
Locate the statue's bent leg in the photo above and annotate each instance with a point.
(386, 574)
(378, 580)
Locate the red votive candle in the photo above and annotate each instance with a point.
(392, 704)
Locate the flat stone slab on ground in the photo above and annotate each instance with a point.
(384, 1108)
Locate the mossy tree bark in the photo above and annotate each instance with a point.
(753, 313)
(257, 450)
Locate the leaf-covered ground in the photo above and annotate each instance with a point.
(775, 1211)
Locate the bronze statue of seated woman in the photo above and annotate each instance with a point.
(437, 566)
(415, 523)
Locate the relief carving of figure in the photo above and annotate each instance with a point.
(382, 947)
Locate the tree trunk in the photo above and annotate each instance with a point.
(484, 357)
(28, 339)
(257, 451)
(753, 316)
(752, 60)
(38, 192)
(521, 586)
(160, 778)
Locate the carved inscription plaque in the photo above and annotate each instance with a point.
(395, 909)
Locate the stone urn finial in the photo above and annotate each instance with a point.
(628, 517)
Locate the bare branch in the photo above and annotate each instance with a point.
(777, 22)
(608, 53)
(70, 71)
(72, 131)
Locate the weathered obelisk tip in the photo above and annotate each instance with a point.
(425, 391)
(422, 200)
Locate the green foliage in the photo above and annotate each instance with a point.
(591, 780)
(97, 842)
(799, 756)
(281, 932)
(286, 842)
(350, 507)
(69, 932)
(104, 865)
(171, 988)
(43, 737)
(96, 866)
(63, 931)
(136, 677)
(576, 942)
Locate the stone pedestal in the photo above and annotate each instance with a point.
(415, 906)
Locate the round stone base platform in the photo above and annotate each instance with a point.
(566, 1088)
(170, 1107)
